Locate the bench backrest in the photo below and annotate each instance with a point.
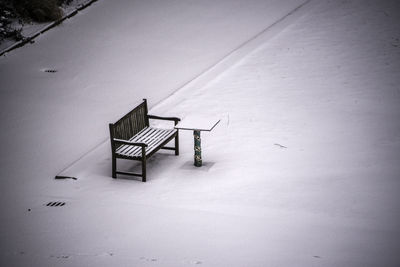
(130, 124)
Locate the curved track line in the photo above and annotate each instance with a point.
(234, 56)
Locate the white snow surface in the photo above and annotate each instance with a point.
(302, 170)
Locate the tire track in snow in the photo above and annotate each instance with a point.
(234, 57)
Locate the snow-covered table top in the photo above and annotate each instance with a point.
(197, 123)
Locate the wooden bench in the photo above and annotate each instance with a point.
(133, 138)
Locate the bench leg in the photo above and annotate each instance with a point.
(114, 166)
(177, 144)
(143, 165)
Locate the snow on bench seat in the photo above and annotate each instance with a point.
(153, 137)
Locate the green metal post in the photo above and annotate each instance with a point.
(197, 149)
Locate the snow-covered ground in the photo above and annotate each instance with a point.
(303, 169)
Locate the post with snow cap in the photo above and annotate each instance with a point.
(197, 124)
(197, 149)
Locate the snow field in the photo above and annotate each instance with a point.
(301, 171)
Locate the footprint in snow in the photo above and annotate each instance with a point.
(146, 259)
(194, 262)
(60, 256)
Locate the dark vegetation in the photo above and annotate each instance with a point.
(25, 11)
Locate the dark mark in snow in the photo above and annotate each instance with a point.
(55, 204)
(60, 256)
(279, 145)
(65, 177)
(396, 42)
(50, 71)
(146, 259)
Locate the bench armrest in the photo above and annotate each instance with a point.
(175, 119)
(125, 142)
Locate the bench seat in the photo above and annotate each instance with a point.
(152, 137)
